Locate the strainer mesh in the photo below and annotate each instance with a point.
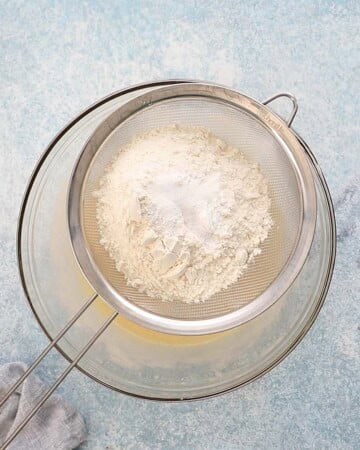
(255, 141)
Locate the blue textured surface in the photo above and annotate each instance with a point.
(57, 57)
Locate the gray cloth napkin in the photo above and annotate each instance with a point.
(57, 425)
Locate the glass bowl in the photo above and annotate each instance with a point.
(128, 357)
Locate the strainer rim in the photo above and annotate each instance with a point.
(282, 133)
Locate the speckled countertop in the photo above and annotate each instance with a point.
(57, 57)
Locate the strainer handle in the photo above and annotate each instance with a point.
(289, 121)
(60, 379)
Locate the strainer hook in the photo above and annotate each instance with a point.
(289, 121)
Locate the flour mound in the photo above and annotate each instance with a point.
(182, 213)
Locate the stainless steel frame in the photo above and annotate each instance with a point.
(283, 134)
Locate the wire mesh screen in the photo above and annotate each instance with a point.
(255, 141)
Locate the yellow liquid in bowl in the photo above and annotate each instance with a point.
(152, 335)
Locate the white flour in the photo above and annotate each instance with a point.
(182, 213)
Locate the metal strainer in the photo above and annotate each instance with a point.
(264, 139)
